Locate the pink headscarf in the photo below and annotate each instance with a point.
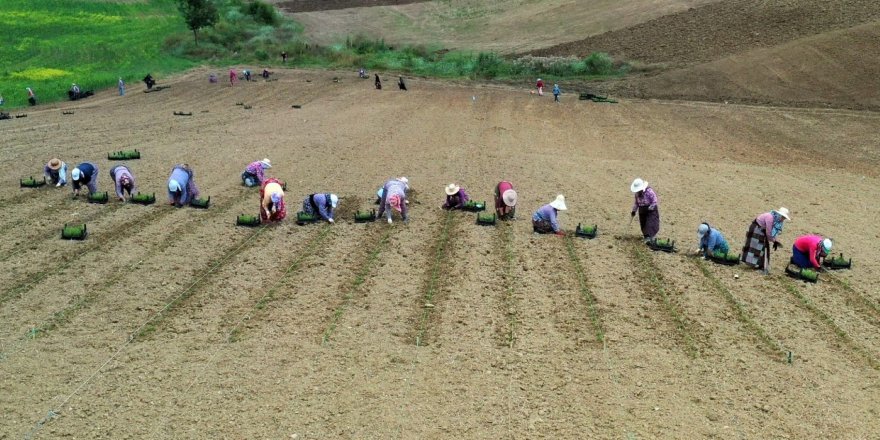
(394, 201)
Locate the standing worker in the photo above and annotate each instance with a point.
(540, 86)
(85, 173)
(544, 220)
(505, 201)
(711, 241)
(456, 197)
(809, 249)
(233, 76)
(378, 82)
(253, 174)
(401, 85)
(321, 204)
(56, 172)
(394, 197)
(763, 231)
(647, 205)
(556, 93)
(182, 187)
(32, 98)
(121, 86)
(272, 207)
(123, 180)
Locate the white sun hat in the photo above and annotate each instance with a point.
(452, 189)
(266, 163)
(404, 180)
(334, 200)
(702, 230)
(509, 197)
(826, 246)
(638, 185)
(559, 203)
(174, 186)
(783, 212)
(75, 174)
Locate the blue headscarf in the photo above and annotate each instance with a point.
(777, 224)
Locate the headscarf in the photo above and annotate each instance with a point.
(777, 224)
(394, 201)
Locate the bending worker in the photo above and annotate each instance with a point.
(253, 174)
(323, 205)
(272, 207)
(124, 181)
(394, 198)
(56, 172)
(182, 187)
(763, 231)
(646, 204)
(808, 250)
(711, 241)
(86, 174)
(456, 197)
(505, 201)
(544, 221)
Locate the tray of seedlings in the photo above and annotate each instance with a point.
(662, 244)
(837, 263)
(99, 197)
(31, 182)
(474, 206)
(365, 216)
(586, 231)
(200, 203)
(124, 155)
(725, 258)
(247, 220)
(143, 199)
(487, 219)
(808, 275)
(303, 219)
(74, 232)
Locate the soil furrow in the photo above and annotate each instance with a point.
(434, 277)
(586, 293)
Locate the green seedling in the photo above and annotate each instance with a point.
(725, 258)
(486, 219)
(586, 231)
(838, 262)
(97, 197)
(31, 182)
(124, 155)
(143, 199)
(474, 206)
(247, 220)
(302, 218)
(808, 275)
(200, 203)
(662, 244)
(365, 216)
(74, 232)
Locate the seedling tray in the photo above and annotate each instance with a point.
(247, 220)
(726, 259)
(837, 263)
(303, 219)
(97, 197)
(473, 206)
(200, 203)
(808, 275)
(31, 182)
(486, 219)
(183, 113)
(365, 216)
(124, 155)
(662, 244)
(586, 231)
(74, 232)
(143, 199)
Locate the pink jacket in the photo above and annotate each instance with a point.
(765, 221)
(810, 245)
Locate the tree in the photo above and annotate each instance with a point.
(198, 14)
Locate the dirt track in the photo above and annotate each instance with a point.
(311, 331)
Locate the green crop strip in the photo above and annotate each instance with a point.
(770, 344)
(441, 247)
(648, 271)
(824, 317)
(509, 301)
(595, 319)
(356, 283)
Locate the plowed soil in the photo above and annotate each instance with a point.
(330, 5)
(175, 323)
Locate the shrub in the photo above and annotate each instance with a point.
(599, 63)
(262, 12)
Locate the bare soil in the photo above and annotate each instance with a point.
(174, 323)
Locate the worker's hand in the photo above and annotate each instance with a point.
(560, 233)
(330, 220)
(632, 214)
(390, 221)
(122, 199)
(58, 185)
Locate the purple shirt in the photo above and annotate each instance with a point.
(322, 201)
(457, 200)
(547, 213)
(256, 168)
(117, 173)
(393, 187)
(647, 198)
(187, 183)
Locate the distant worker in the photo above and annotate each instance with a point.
(32, 97)
(272, 207)
(647, 205)
(456, 197)
(763, 231)
(149, 81)
(121, 86)
(322, 205)
(808, 250)
(2, 101)
(284, 57)
(556, 92)
(711, 241)
(56, 172)
(182, 187)
(233, 77)
(85, 173)
(266, 73)
(253, 174)
(540, 86)
(212, 78)
(505, 201)
(545, 221)
(378, 82)
(123, 180)
(247, 74)
(362, 73)
(401, 85)
(394, 198)
(74, 92)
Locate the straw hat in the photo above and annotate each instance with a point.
(55, 164)
(452, 189)
(559, 203)
(509, 197)
(266, 163)
(638, 185)
(783, 212)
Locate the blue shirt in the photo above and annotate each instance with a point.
(713, 241)
(547, 213)
(556, 90)
(88, 176)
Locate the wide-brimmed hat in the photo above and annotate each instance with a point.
(452, 189)
(826, 246)
(559, 203)
(509, 197)
(783, 212)
(55, 164)
(266, 163)
(638, 185)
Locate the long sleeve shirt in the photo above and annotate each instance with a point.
(556, 90)
(256, 168)
(187, 183)
(271, 188)
(117, 173)
(56, 176)
(547, 213)
(88, 175)
(393, 187)
(457, 200)
(810, 245)
(322, 202)
(772, 225)
(713, 241)
(647, 198)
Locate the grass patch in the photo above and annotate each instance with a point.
(742, 315)
(595, 319)
(441, 247)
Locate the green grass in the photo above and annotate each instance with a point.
(53, 43)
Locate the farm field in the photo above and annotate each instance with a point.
(174, 323)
